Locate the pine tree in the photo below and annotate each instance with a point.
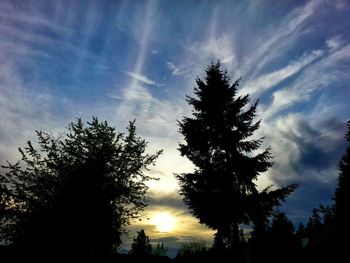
(160, 250)
(342, 194)
(222, 191)
(141, 245)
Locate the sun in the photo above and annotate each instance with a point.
(164, 222)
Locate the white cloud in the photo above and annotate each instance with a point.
(141, 78)
(279, 38)
(312, 79)
(301, 143)
(176, 70)
(334, 42)
(32, 20)
(215, 48)
(268, 81)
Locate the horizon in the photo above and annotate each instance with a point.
(123, 60)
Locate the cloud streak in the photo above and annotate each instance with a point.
(268, 81)
(142, 78)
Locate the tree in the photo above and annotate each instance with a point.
(77, 192)
(160, 250)
(141, 245)
(193, 251)
(222, 192)
(277, 242)
(282, 243)
(342, 194)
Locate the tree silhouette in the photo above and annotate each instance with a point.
(282, 242)
(193, 251)
(141, 245)
(276, 243)
(160, 250)
(342, 194)
(222, 192)
(76, 194)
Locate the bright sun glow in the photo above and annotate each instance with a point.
(164, 222)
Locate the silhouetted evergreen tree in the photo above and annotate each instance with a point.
(342, 194)
(194, 251)
(282, 242)
(141, 245)
(315, 221)
(276, 243)
(301, 234)
(222, 192)
(76, 193)
(160, 250)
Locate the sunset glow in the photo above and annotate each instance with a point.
(164, 222)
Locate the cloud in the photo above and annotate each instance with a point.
(176, 70)
(306, 151)
(334, 42)
(279, 38)
(215, 48)
(12, 18)
(267, 81)
(24, 109)
(318, 145)
(165, 239)
(141, 78)
(172, 200)
(325, 71)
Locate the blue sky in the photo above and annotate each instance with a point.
(125, 60)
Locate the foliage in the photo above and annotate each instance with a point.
(342, 194)
(276, 242)
(222, 192)
(141, 245)
(77, 192)
(319, 217)
(191, 251)
(160, 250)
(192, 247)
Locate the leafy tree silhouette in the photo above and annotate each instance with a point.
(221, 192)
(75, 194)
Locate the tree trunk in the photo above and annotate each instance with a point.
(236, 244)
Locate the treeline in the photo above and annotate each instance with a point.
(71, 197)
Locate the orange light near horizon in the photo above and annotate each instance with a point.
(164, 222)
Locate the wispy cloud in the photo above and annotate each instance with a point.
(215, 48)
(176, 70)
(140, 77)
(279, 38)
(312, 79)
(334, 42)
(267, 81)
(306, 152)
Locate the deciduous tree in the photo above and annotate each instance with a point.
(75, 193)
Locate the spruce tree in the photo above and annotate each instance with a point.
(222, 191)
(141, 245)
(342, 194)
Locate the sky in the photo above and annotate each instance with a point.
(126, 60)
